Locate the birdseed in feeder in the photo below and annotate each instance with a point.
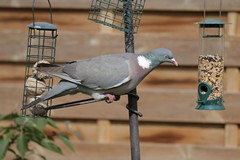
(211, 69)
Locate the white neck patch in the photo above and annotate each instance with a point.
(144, 62)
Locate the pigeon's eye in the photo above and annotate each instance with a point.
(165, 56)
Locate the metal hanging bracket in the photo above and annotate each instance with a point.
(132, 110)
(33, 12)
(42, 25)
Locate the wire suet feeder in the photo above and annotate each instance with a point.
(41, 48)
(112, 13)
(211, 63)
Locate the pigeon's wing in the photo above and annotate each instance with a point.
(102, 72)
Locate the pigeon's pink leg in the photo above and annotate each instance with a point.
(110, 98)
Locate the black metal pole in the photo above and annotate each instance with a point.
(132, 96)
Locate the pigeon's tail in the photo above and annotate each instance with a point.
(59, 90)
(56, 71)
(49, 68)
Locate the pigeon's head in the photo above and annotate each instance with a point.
(161, 55)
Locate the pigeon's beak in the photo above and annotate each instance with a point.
(174, 62)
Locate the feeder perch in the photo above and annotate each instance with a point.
(41, 48)
(211, 65)
(112, 13)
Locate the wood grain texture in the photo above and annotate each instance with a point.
(104, 131)
(173, 5)
(232, 18)
(120, 151)
(232, 82)
(80, 38)
(173, 133)
(85, 45)
(231, 135)
(157, 132)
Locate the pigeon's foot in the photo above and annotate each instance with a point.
(117, 97)
(111, 98)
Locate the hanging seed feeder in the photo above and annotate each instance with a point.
(112, 13)
(211, 65)
(41, 48)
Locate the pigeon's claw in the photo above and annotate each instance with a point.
(117, 97)
(111, 98)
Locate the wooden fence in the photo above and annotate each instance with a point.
(170, 129)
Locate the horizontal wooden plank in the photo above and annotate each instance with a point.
(121, 151)
(80, 38)
(166, 105)
(177, 133)
(173, 5)
(157, 132)
(85, 45)
(179, 24)
(71, 20)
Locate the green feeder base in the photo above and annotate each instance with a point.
(210, 105)
(204, 90)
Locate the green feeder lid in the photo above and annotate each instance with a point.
(212, 23)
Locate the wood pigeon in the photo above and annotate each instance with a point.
(103, 77)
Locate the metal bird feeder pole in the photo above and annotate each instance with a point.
(132, 96)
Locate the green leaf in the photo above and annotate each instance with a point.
(51, 146)
(4, 143)
(9, 134)
(41, 123)
(52, 123)
(20, 120)
(1, 129)
(36, 140)
(22, 143)
(33, 132)
(66, 141)
(10, 116)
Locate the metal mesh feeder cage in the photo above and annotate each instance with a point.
(211, 65)
(112, 13)
(41, 48)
